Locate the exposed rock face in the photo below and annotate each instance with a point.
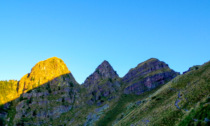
(49, 94)
(103, 71)
(55, 92)
(147, 75)
(102, 83)
(41, 73)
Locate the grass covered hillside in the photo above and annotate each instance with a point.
(183, 101)
(151, 94)
(8, 91)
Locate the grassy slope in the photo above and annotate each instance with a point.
(191, 89)
(157, 106)
(118, 110)
(8, 91)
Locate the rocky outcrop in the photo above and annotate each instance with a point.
(101, 84)
(102, 72)
(147, 75)
(46, 93)
(41, 73)
(49, 92)
(196, 67)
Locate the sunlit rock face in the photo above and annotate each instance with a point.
(47, 92)
(147, 75)
(49, 95)
(8, 91)
(41, 73)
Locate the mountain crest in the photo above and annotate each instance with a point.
(103, 71)
(41, 73)
(147, 75)
(106, 70)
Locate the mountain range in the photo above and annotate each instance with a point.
(150, 94)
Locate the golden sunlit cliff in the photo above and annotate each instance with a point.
(41, 73)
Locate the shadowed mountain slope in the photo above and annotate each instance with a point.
(102, 84)
(41, 73)
(48, 91)
(184, 101)
(147, 75)
(102, 72)
(149, 94)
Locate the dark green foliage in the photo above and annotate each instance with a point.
(34, 113)
(110, 80)
(21, 98)
(29, 91)
(29, 101)
(48, 88)
(113, 113)
(71, 84)
(197, 116)
(39, 89)
(63, 100)
(120, 106)
(20, 123)
(2, 108)
(97, 71)
(2, 123)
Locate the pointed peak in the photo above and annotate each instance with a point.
(105, 63)
(105, 67)
(103, 71)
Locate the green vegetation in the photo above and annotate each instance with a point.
(183, 101)
(161, 108)
(120, 106)
(198, 116)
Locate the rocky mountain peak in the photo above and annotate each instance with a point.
(41, 73)
(102, 84)
(50, 68)
(106, 70)
(147, 75)
(103, 71)
(152, 63)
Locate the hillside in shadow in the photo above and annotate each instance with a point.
(43, 103)
(149, 94)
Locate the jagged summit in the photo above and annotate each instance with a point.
(43, 72)
(103, 84)
(106, 70)
(104, 98)
(103, 71)
(152, 63)
(147, 75)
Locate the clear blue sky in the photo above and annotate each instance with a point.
(85, 32)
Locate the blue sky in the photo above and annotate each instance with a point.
(85, 32)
